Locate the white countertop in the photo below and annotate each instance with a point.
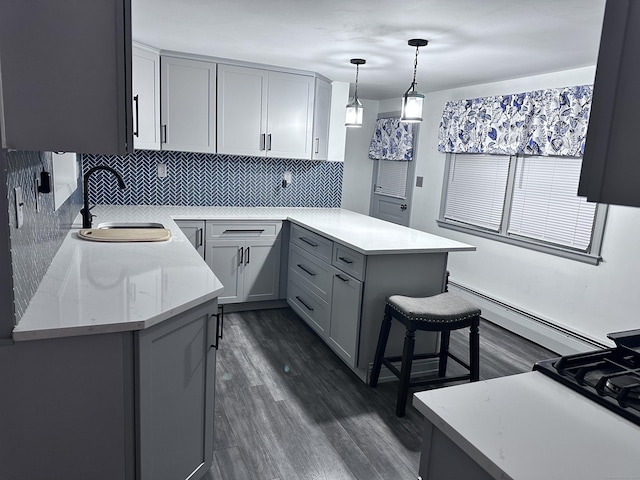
(531, 427)
(95, 287)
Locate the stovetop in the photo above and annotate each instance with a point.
(610, 377)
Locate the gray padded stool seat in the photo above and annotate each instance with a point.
(439, 313)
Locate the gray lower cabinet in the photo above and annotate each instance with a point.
(245, 256)
(341, 293)
(176, 385)
(194, 231)
(345, 316)
(327, 298)
(123, 405)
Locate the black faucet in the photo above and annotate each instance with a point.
(86, 210)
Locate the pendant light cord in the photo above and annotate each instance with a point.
(355, 95)
(415, 69)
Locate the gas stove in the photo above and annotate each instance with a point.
(610, 377)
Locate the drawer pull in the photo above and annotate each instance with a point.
(306, 270)
(345, 280)
(345, 260)
(308, 242)
(306, 306)
(251, 230)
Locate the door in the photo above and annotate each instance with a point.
(290, 115)
(242, 110)
(194, 231)
(226, 259)
(345, 316)
(392, 191)
(261, 270)
(176, 374)
(188, 106)
(146, 99)
(321, 120)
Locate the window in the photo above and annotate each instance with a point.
(530, 201)
(392, 178)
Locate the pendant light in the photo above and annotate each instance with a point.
(354, 113)
(412, 100)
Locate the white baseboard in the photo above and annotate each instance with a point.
(538, 330)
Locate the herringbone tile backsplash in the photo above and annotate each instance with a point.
(207, 179)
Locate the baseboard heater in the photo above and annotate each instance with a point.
(543, 332)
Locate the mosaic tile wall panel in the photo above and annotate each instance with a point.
(205, 179)
(36, 242)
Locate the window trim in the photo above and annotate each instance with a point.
(593, 257)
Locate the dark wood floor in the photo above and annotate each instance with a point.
(287, 408)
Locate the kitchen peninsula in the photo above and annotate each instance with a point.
(115, 326)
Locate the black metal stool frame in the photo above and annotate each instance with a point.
(404, 374)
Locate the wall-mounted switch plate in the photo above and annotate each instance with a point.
(419, 181)
(19, 206)
(286, 179)
(162, 170)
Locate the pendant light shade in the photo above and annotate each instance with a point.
(354, 114)
(412, 101)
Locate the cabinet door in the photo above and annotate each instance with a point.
(242, 107)
(609, 169)
(188, 105)
(194, 231)
(290, 115)
(261, 270)
(146, 98)
(226, 260)
(175, 396)
(321, 116)
(345, 316)
(66, 76)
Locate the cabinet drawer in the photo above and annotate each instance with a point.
(311, 271)
(217, 229)
(312, 242)
(349, 261)
(314, 311)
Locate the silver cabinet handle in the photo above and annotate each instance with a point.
(164, 133)
(305, 305)
(263, 141)
(306, 270)
(308, 242)
(241, 256)
(136, 132)
(317, 145)
(269, 142)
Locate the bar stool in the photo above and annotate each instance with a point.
(439, 313)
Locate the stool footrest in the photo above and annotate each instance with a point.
(439, 380)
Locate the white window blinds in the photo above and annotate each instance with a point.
(392, 178)
(545, 205)
(476, 189)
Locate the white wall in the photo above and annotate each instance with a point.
(590, 300)
(358, 167)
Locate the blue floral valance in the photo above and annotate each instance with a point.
(542, 122)
(392, 140)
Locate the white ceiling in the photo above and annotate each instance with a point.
(470, 41)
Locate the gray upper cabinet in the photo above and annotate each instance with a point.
(321, 120)
(242, 110)
(188, 105)
(610, 170)
(62, 94)
(146, 98)
(264, 113)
